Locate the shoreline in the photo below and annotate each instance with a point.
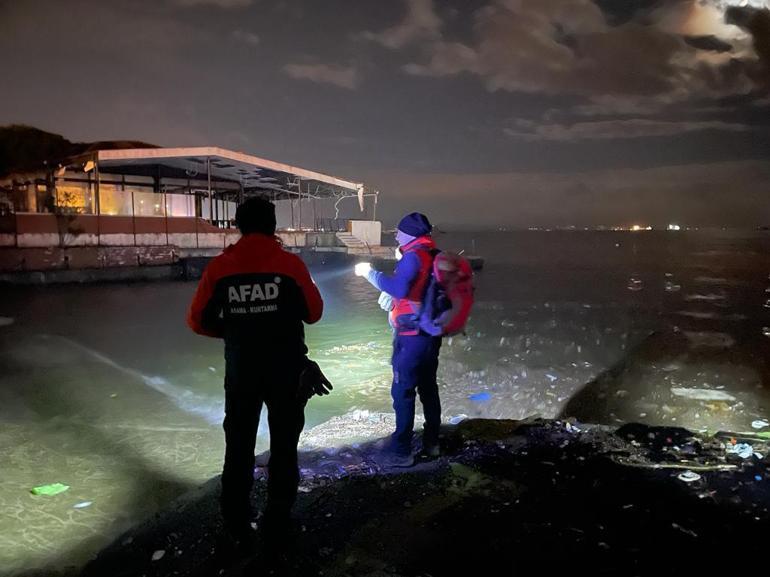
(505, 494)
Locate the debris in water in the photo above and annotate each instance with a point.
(710, 297)
(571, 428)
(82, 505)
(635, 284)
(480, 397)
(212, 369)
(683, 530)
(551, 377)
(702, 394)
(158, 555)
(52, 489)
(672, 287)
(688, 477)
(743, 450)
(458, 418)
(766, 331)
(760, 424)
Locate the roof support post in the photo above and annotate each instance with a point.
(374, 211)
(97, 201)
(208, 179)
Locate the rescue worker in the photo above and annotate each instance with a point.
(415, 353)
(256, 296)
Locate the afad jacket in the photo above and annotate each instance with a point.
(256, 295)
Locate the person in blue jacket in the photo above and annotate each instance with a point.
(415, 353)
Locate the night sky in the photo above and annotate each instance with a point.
(480, 113)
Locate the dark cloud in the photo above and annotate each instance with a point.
(618, 13)
(559, 47)
(757, 22)
(419, 23)
(711, 43)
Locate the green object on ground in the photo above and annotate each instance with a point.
(52, 489)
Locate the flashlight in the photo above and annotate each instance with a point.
(363, 268)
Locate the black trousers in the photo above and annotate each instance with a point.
(249, 386)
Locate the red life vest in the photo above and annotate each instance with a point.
(422, 247)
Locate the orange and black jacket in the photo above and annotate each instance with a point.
(257, 295)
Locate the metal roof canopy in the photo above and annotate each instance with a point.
(257, 176)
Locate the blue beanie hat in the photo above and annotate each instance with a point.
(415, 224)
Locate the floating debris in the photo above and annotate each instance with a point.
(743, 450)
(688, 476)
(82, 505)
(158, 555)
(683, 530)
(760, 424)
(702, 394)
(572, 428)
(480, 397)
(635, 284)
(49, 490)
(711, 297)
(672, 287)
(711, 315)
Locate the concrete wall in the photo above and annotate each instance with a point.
(292, 239)
(58, 258)
(322, 239)
(368, 231)
(48, 230)
(49, 242)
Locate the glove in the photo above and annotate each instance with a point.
(363, 268)
(313, 382)
(386, 302)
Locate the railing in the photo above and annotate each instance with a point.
(331, 224)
